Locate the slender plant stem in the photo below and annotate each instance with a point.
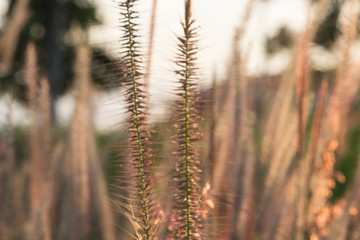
(137, 122)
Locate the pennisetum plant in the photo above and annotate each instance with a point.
(39, 149)
(188, 209)
(141, 206)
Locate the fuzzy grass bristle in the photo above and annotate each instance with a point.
(141, 207)
(187, 210)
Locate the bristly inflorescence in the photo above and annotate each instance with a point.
(141, 207)
(188, 209)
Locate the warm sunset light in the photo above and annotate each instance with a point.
(179, 119)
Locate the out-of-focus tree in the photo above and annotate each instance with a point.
(48, 23)
(325, 35)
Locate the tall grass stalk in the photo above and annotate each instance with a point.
(151, 43)
(224, 166)
(243, 138)
(315, 131)
(102, 194)
(9, 210)
(141, 206)
(40, 225)
(37, 161)
(334, 125)
(79, 147)
(39, 143)
(188, 206)
(40, 149)
(302, 75)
